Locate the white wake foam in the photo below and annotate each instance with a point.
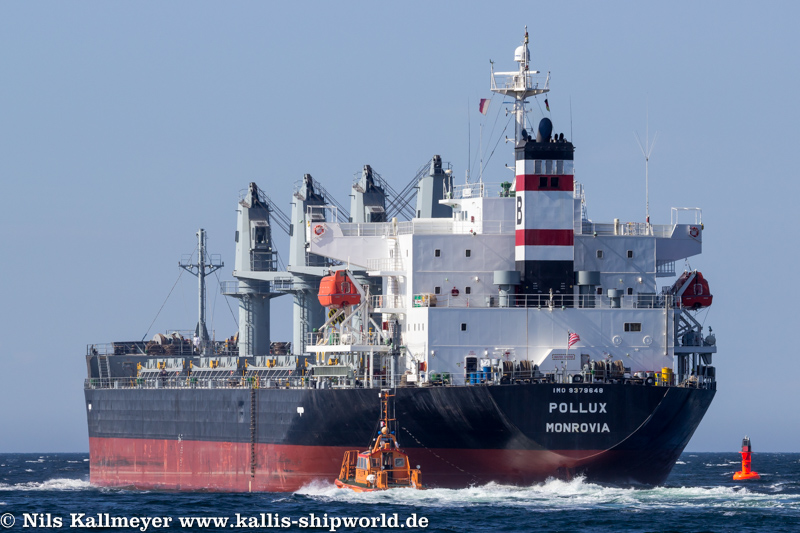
(50, 484)
(556, 495)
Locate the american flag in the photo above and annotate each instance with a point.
(573, 338)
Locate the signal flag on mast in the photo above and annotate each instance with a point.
(484, 105)
(546, 104)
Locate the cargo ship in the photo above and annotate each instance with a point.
(521, 339)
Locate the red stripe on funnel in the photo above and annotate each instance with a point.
(544, 237)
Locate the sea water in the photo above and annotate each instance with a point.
(37, 490)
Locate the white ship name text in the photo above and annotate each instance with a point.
(575, 427)
(591, 407)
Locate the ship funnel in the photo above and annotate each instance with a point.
(545, 129)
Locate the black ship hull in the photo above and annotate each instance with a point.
(273, 439)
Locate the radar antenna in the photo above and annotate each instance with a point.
(520, 84)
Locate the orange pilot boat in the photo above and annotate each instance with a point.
(383, 465)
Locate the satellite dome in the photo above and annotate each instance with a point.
(520, 53)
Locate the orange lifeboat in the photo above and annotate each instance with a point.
(381, 467)
(746, 474)
(337, 290)
(696, 293)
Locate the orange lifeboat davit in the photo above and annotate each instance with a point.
(746, 474)
(692, 289)
(337, 290)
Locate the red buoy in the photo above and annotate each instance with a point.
(746, 473)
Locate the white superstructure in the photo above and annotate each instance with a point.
(459, 293)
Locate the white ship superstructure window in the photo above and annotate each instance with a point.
(468, 253)
(463, 326)
(599, 290)
(630, 254)
(468, 290)
(437, 290)
(630, 291)
(437, 253)
(599, 254)
(633, 326)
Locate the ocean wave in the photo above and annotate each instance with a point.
(554, 494)
(50, 484)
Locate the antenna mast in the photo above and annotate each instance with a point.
(647, 151)
(520, 84)
(201, 269)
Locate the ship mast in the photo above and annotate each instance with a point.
(201, 269)
(520, 85)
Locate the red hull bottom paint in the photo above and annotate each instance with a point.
(225, 466)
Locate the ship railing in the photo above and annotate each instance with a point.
(385, 264)
(665, 268)
(263, 261)
(695, 213)
(200, 380)
(332, 337)
(117, 348)
(182, 348)
(484, 189)
(229, 287)
(438, 226)
(556, 301)
(292, 379)
(635, 229)
(387, 301)
(519, 81)
(481, 189)
(365, 229)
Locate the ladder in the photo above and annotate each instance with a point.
(252, 432)
(104, 367)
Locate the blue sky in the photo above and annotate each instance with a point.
(126, 126)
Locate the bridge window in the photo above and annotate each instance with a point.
(554, 182)
(542, 182)
(630, 291)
